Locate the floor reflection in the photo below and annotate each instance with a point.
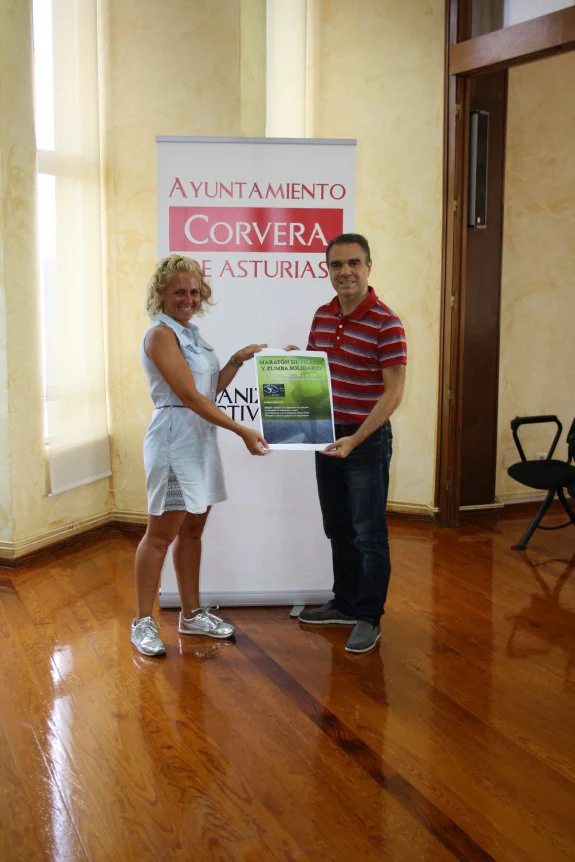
(60, 741)
(351, 708)
(204, 648)
(181, 726)
(462, 654)
(545, 623)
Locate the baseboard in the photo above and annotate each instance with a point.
(526, 508)
(14, 554)
(415, 510)
(128, 518)
(515, 499)
(483, 507)
(412, 510)
(251, 599)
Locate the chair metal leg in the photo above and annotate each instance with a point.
(522, 543)
(566, 504)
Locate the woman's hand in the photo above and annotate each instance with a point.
(255, 443)
(248, 352)
(235, 362)
(292, 347)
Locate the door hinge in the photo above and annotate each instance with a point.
(455, 205)
(458, 109)
(448, 485)
(452, 300)
(450, 389)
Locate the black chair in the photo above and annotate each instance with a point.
(549, 474)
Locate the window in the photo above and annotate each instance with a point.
(490, 15)
(70, 241)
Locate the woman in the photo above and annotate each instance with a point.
(183, 466)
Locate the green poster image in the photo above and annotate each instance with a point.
(294, 390)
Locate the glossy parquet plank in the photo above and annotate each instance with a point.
(172, 786)
(367, 758)
(363, 704)
(480, 643)
(332, 813)
(455, 740)
(409, 738)
(34, 814)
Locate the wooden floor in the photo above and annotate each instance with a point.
(456, 740)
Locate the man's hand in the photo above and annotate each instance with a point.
(341, 448)
(292, 347)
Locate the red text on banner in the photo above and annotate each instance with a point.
(255, 229)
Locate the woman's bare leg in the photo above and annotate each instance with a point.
(187, 555)
(150, 556)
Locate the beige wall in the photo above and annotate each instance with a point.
(5, 472)
(252, 68)
(379, 78)
(538, 282)
(198, 68)
(392, 104)
(34, 516)
(172, 68)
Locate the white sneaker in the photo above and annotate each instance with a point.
(145, 636)
(203, 622)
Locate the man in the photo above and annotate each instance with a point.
(365, 344)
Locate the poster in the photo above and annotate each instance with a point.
(294, 392)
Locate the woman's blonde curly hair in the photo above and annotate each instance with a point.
(165, 269)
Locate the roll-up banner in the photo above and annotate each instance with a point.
(257, 215)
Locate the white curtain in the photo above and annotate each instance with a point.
(70, 241)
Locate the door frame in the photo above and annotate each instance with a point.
(465, 57)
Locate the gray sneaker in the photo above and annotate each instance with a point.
(203, 622)
(326, 615)
(363, 638)
(145, 636)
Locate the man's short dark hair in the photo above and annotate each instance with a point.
(344, 239)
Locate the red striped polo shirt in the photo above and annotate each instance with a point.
(359, 345)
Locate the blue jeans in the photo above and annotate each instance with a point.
(353, 500)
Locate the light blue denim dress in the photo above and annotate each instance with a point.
(179, 445)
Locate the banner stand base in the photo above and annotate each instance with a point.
(297, 598)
